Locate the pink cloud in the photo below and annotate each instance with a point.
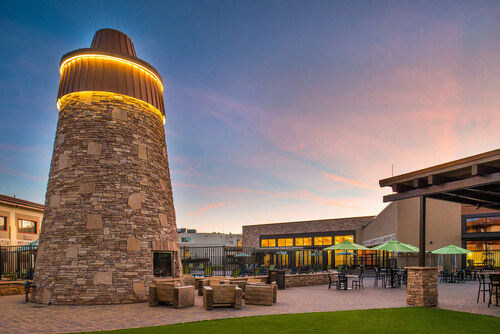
(207, 208)
(352, 182)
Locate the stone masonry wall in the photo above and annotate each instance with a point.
(251, 233)
(422, 286)
(108, 203)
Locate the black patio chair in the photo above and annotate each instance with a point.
(342, 282)
(494, 286)
(358, 283)
(379, 276)
(484, 287)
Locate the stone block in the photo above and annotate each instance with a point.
(163, 184)
(165, 152)
(60, 139)
(63, 161)
(71, 252)
(94, 148)
(103, 278)
(139, 289)
(94, 221)
(55, 201)
(142, 152)
(135, 201)
(46, 296)
(163, 219)
(86, 98)
(133, 244)
(119, 114)
(87, 188)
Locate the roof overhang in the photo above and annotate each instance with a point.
(474, 180)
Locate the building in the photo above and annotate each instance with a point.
(109, 222)
(189, 237)
(20, 221)
(300, 243)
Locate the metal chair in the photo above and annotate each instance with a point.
(483, 287)
(494, 286)
(359, 282)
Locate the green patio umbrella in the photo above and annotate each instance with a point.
(395, 246)
(451, 249)
(346, 246)
(415, 248)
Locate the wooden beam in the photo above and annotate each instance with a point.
(419, 183)
(481, 169)
(437, 179)
(472, 182)
(399, 188)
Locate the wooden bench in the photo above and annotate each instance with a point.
(222, 295)
(258, 296)
(171, 293)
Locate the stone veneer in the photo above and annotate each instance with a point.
(108, 204)
(251, 233)
(422, 286)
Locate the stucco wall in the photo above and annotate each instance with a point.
(13, 213)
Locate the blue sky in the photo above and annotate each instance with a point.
(276, 110)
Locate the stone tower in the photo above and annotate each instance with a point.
(109, 222)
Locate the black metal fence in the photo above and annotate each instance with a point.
(17, 262)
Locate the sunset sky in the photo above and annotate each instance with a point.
(276, 110)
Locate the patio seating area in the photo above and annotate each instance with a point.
(318, 298)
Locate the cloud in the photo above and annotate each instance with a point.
(10, 171)
(207, 208)
(352, 182)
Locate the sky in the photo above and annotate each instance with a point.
(276, 110)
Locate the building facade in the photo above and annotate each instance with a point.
(20, 221)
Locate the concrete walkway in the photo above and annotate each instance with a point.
(19, 317)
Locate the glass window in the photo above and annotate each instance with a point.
(299, 241)
(162, 264)
(3, 223)
(318, 241)
(339, 239)
(349, 238)
(281, 243)
(186, 239)
(186, 253)
(307, 241)
(264, 243)
(289, 242)
(327, 241)
(483, 224)
(272, 242)
(26, 226)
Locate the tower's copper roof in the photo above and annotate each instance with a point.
(111, 65)
(114, 41)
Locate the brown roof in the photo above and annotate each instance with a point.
(362, 219)
(18, 201)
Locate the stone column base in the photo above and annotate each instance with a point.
(422, 286)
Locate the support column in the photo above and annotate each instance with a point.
(421, 261)
(422, 286)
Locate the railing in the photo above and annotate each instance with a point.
(17, 262)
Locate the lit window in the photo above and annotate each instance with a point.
(349, 238)
(186, 253)
(272, 242)
(264, 243)
(307, 241)
(327, 241)
(3, 223)
(281, 243)
(289, 242)
(338, 240)
(318, 241)
(299, 241)
(26, 226)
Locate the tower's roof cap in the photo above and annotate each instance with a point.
(113, 41)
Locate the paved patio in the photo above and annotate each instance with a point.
(19, 317)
